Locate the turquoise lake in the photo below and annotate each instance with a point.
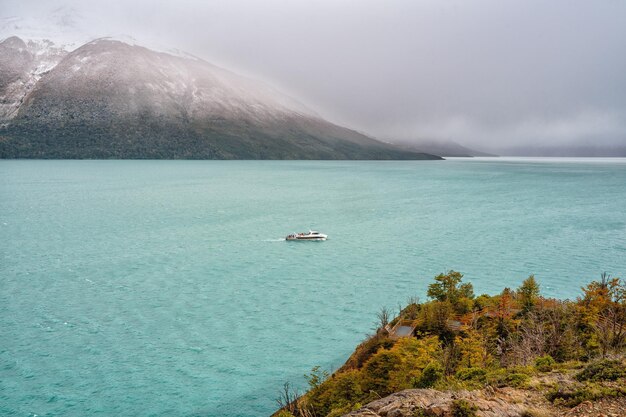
(163, 288)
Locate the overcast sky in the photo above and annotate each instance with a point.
(484, 73)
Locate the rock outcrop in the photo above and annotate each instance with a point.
(497, 402)
(408, 403)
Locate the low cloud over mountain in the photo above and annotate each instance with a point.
(109, 99)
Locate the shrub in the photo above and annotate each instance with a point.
(462, 408)
(476, 374)
(430, 375)
(336, 393)
(505, 378)
(497, 378)
(340, 411)
(516, 380)
(606, 370)
(367, 349)
(377, 370)
(544, 363)
(412, 309)
(464, 305)
(572, 396)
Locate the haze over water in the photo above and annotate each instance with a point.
(163, 287)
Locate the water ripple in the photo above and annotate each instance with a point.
(165, 288)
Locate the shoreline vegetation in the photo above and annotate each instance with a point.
(516, 353)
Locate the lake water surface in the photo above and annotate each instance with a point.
(163, 288)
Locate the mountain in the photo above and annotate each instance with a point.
(597, 150)
(21, 66)
(109, 99)
(443, 148)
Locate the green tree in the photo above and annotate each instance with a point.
(316, 377)
(447, 287)
(604, 310)
(528, 293)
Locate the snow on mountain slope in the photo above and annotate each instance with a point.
(162, 84)
(22, 64)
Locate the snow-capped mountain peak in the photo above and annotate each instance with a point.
(109, 98)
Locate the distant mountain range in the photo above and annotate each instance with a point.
(582, 150)
(109, 99)
(571, 150)
(443, 148)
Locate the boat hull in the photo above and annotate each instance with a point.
(311, 235)
(302, 239)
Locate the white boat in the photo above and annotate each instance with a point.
(310, 235)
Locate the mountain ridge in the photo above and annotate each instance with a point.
(109, 99)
